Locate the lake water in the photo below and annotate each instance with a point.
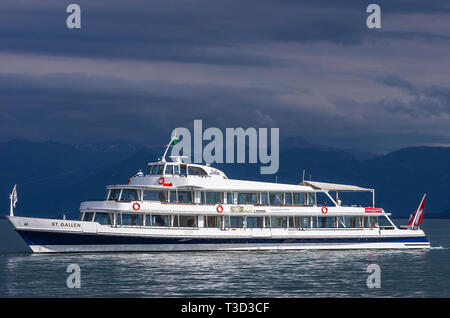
(404, 273)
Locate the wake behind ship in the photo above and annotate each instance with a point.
(179, 206)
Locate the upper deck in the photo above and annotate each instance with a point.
(201, 177)
(164, 185)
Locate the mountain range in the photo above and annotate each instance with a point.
(53, 178)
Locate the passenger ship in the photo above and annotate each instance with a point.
(179, 206)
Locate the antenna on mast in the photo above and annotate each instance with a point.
(173, 142)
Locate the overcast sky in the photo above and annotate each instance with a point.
(138, 69)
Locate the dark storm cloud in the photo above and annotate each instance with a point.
(441, 94)
(311, 68)
(395, 81)
(89, 108)
(188, 31)
(427, 101)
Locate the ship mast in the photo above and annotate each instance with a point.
(175, 137)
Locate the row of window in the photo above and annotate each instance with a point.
(207, 197)
(175, 169)
(233, 221)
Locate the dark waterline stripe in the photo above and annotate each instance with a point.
(52, 238)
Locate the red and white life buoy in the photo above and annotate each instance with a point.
(324, 210)
(136, 206)
(161, 180)
(219, 208)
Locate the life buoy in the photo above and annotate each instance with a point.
(161, 180)
(136, 206)
(324, 210)
(219, 208)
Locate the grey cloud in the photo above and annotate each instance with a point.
(79, 108)
(210, 32)
(282, 88)
(429, 101)
(395, 81)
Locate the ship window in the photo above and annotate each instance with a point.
(214, 221)
(151, 169)
(353, 222)
(103, 218)
(326, 222)
(291, 222)
(130, 219)
(183, 170)
(160, 169)
(383, 222)
(212, 197)
(299, 198)
(160, 220)
(288, 198)
(265, 198)
(169, 169)
(129, 195)
(237, 221)
(255, 222)
(278, 221)
(176, 169)
(302, 222)
(370, 221)
(185, 196)
(185, 221)
(248, 198)
(88, 216)
(230, 199)
(373, 221)
(196, 171)
(154, 195)
(276, 198)
(311, 199)
(114, 194)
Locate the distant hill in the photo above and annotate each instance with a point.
(53, 178)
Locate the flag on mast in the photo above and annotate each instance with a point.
(13, 199)
(417, 217)
(14, 196)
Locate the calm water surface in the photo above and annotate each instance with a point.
(414, 273)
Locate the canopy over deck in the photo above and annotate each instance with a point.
(338, 188)
(335, 187)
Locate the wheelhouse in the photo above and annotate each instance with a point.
(175, 169)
